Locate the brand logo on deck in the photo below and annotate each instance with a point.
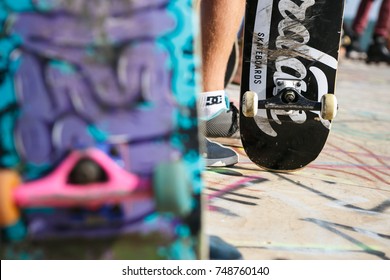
(292, 47)
(292, 42)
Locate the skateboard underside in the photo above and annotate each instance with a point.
(289, 46)
(99, 154)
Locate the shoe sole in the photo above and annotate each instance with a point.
(221, 162)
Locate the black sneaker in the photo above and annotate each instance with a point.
(378, 51)
(354, 49)
(224, 125)
(217, 155)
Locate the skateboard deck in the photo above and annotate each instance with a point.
(287, 100)
(99, 152)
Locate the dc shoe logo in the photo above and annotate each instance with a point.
(213, 100)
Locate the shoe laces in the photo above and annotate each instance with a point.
(234, 127)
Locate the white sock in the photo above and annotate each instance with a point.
(212, 103)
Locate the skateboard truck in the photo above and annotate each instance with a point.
(287, 96)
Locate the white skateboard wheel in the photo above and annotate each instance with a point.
(249, 104)
(328, 106)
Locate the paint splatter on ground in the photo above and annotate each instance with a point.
(338, 207)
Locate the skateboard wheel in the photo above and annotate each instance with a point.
(172, 189)
(249, 104)
(9, 212)
(328, 106)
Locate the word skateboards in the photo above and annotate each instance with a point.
(290, 59)
(99, 143)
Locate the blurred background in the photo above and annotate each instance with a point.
(350, 12)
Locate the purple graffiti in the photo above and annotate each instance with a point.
(71, 132)
(71, 89)
(140, 164)
(31, 89)
(89, 63)
(33, 139)
(79, 31)
(98, 7)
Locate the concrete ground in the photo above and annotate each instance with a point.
(338, 207)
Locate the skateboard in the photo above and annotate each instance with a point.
(99, 151)
(287, 100)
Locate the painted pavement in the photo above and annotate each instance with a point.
(338, 207)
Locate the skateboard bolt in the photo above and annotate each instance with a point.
(86, 171)
(289, 96)
(299, 84)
